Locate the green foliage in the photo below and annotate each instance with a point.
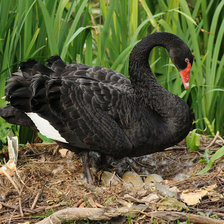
(48, 212)
(89, 222)
(193, 141)
(218, 154)
(5, 129)
(129, 220)
(104, 34)
(44, 138)
(205, 157)
(209, 215)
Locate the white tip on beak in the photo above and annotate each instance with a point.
(186, 85)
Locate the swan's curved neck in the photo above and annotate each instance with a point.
(172, 110)
(139, 68)
(141, 76)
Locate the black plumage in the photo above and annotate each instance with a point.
(98, 109)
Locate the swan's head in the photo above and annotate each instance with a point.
(182, 58)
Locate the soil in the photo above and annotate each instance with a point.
(49, 179)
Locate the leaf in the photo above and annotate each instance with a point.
(193, 141)
(123, 56)
(193, 198)
(73, 28)
(63, 152)
(171, 204)
(187, 16)
(216, 156)
(44, 138)
(49, 28)
(210, 126)
(32, 43)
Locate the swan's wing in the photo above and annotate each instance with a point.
(69, 104)
(80, 110)
(104, 75)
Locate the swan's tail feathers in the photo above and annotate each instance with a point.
(32, 67)
(16, 116)
(56, 64)
(18, 91)
(24, 84)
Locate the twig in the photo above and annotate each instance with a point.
(35, 200)
(17, 189)
(46, 207)
(49, 162)
(27, 211)
(208, 210)
(37, 196)
(19, 177)
(11, 180)
(176, 148)
(81, 213)
(219, 214)
(170, 215)
(88, 213)
(11, 216)
(213, 140)
(108, 213)
(221, 139)
(43, 144)
(79, 202)
(20, 207)
(17, 208)
(9, 206)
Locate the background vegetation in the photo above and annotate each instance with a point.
(104, 32)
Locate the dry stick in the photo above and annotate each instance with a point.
(184, 216)
(49, 162)
(176, 148)
(11, 180)
(9, 206)
(16, 217)
(79, 202)
(43, 144)
(209, 210)
(27, 211)
(37, 196)
(221, 139)
(108, 213)
(20, 177)
(46, 207)
(83, 213)
(11, 216)
(213, 140)
(17, 208)
(20, 207)
(17, 189)
(219, 214)
(35, 200)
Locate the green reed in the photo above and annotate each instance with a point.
(104, 32)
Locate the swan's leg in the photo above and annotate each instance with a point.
(86, 167)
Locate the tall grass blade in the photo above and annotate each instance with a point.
(49, 23)
(73, 28)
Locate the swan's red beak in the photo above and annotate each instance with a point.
(185, 75)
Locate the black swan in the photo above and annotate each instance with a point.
(91, 108)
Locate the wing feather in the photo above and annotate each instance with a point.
(83, 109)
(86, 105)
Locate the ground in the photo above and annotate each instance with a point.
(49, 179)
